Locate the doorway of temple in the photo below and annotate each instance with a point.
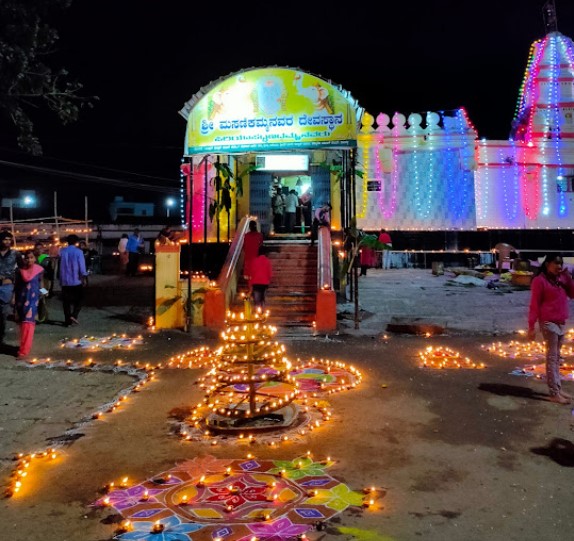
(269, 192)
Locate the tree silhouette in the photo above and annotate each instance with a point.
(27, 82)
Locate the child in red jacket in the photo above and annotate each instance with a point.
(261, 273)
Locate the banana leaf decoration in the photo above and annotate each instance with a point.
(222, 184)
(223, 170)
(336, 169)
(197, 299)
(356, 239)
(212, 210)
(166, 305)
(241, 175)
(226, 197)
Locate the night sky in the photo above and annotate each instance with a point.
(145, 59)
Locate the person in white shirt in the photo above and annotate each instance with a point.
(291, 204)
(123, 251)
(278, 203)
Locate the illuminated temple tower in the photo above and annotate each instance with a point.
(429, 171)
(527, 181)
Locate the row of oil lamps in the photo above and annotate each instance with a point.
(443, 357)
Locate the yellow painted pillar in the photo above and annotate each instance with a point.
(169, 310)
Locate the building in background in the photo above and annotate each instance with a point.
(119, 208)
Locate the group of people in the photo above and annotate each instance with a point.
(22, 285)
(130, 248)
(285, 205)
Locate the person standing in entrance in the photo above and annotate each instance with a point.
(73, 278)
(27, 297)
(291, 203)
(306, 200)
(251, 242)
(134, 245)
(8, 263)
(278, 203)
(549, 293)
(261, 273)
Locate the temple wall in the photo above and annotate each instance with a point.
(416, 178)
(443, 178)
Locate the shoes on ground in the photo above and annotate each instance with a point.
(565, 395)
(74, 321)
(559, 399)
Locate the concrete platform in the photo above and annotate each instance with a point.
(417, 293)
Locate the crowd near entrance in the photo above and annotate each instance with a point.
(284, 201)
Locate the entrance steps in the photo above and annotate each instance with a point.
(292, 295)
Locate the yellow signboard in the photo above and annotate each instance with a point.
(271, 109)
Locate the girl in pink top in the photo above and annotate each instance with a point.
(550, 291)
(27, 297)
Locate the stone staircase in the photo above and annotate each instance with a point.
(292, 295)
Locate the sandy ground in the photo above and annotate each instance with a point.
(462, 454)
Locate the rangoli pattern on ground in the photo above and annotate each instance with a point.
(315, 380)
(233, 499)
(539, 371)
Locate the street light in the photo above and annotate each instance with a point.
(169, 202)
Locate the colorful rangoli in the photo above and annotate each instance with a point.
(243, 499)
(315, 380)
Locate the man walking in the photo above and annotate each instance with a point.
(8, 264)
(134, 245)
(73, 278)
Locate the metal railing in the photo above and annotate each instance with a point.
(324, 259)
(228, 276)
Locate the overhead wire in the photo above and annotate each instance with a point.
(92, 178)
(84, 164)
